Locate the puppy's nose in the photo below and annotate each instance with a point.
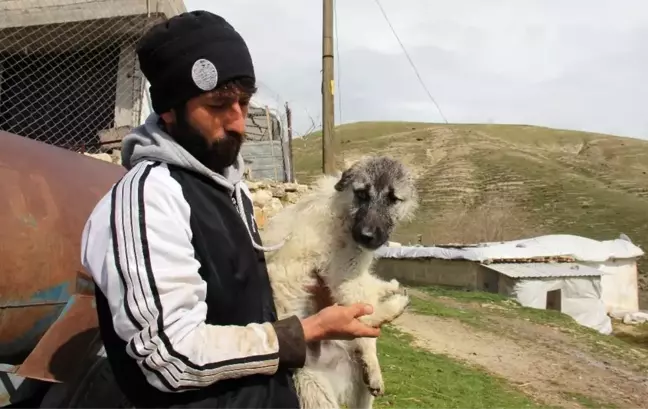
(367, 233)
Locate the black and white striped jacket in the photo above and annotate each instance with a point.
(183, 298)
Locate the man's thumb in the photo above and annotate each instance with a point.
(362, 309)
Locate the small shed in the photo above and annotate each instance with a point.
(571, 288)
(582, 277)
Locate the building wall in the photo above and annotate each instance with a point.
(76, 81)
(128, 86)
(69, 77)
(65, 106)
(581, 297)
(619, 289)
(23, 13)
(454, 273)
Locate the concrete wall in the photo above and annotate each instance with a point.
(128, 95)
(455, 273)
(23, 13)
(451, 273)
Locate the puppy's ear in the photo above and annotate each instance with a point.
(345, 179)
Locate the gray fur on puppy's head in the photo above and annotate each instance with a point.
(381, 193)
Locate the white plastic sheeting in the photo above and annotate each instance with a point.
(580, 299)
(147, 105)
(620, 284)
(580, 248)
(544, 270)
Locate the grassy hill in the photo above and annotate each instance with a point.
(499, 182)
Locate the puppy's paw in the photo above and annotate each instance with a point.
(391, 288)
(394, 306)
(374, 380)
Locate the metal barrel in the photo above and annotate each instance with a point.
(46, 196)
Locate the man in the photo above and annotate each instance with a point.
(183, 298)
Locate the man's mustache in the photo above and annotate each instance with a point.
(233, 134)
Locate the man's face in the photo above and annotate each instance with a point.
(211, 126)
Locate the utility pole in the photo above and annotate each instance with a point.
(329, 142)
(290, 142)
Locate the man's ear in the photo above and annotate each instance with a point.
(168, 117)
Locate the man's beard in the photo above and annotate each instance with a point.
(216, 155)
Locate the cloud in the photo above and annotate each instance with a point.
(575, 64)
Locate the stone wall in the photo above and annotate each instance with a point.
(114, 156)
(268, 197)
(271, 197)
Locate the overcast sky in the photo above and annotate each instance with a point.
(574, 64)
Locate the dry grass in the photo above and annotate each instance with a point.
(495, 220)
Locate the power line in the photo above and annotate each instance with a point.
(410, 61)
(337, 52)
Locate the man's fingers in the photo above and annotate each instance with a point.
(367, 331)
(361, 309)
(373, 332)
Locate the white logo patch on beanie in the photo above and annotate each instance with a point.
(204, 74)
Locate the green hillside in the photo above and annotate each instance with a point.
(500, 182)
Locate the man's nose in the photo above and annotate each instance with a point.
(235, 119)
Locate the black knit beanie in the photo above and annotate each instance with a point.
(189, 54)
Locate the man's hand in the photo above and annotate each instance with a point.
(339, 322)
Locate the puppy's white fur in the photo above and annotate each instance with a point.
(318, 241)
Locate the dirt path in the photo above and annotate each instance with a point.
(539, 363)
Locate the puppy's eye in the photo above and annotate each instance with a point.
(362, 195)
(394, 198)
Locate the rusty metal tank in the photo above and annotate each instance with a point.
(46, 195)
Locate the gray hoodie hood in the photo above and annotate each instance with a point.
(150, 142)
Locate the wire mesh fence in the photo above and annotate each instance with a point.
(69, 76)
(70, 83)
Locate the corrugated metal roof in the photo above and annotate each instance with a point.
(531, 260)
(544, 270)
